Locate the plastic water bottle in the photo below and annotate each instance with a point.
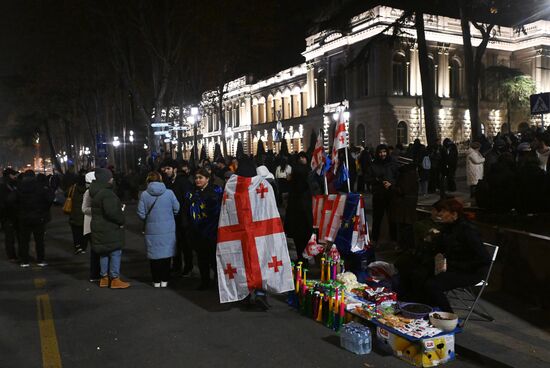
(356, 338)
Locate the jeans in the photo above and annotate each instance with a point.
(25, 231)
(110, 263)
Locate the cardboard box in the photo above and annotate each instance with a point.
(428, 352)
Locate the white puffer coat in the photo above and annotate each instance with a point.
(474, 167)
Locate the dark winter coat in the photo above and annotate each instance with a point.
(201, 212)
(32, 201)
(404, 196)
(380, 171)
(7, 211)
(107, 218)
(461, 245)
(299, 216)
(76, 217)
(449, 158)
(530, 188)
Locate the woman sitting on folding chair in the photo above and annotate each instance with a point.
(462, 260)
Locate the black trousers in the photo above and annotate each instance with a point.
(300, 242)
(183, 247)
(79, 240)
(434, 182)
(380, 206)
(436, 287)
(206, 254)
(11, 234)
(160, 269)
(37, 231)
(95, 267)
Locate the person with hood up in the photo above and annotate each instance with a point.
(200, 215)
(449, 160)
(86, 226)
(381, 175)
(157, 207)
(474, 166)
(33, 201)
(107, 229)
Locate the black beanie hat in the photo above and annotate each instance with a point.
(246, 167)
(103, 175)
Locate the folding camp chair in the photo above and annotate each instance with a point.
(471, 298)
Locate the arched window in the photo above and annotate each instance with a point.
(402, 133)
(455, 83)
(360, 135)
(399, 75)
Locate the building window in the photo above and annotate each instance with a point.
(402, 133)
(269, 109)
(237, 119)
(338, 84)
(304, 103)
(399, 75)
(454, 78)
(360, 139)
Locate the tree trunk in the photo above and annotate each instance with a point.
(472, 90)
(428, 93)
(53, 153)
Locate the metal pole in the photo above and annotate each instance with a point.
(347, 165)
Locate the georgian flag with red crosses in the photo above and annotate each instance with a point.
(252, 252)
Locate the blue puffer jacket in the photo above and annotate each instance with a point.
(160, 226)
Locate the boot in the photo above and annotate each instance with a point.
(104, 282)
(119, 284)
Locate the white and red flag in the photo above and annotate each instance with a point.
(318, 158)
(252, 252)
(340, 140)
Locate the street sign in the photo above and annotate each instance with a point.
(540, 103)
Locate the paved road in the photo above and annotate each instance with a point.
(57, 315)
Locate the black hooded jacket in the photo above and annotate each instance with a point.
(32, 201)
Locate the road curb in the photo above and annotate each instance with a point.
(478, 357)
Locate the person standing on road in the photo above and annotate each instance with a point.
(178, 182)
(298, 216)
(449, 160)
(474, 167)
(76, 217)
(381, 175)
(200, 215)
(157, 207)
(33, 201)
(8, 214)
(86, 227)
(107, 229)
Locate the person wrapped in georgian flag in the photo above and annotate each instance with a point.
(252, 254)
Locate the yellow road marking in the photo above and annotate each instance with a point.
(48, 337)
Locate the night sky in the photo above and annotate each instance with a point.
(63, 44)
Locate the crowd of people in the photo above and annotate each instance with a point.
(179, 205)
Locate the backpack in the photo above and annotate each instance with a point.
(426, 163)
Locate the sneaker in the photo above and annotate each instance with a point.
(78, 251)
(24, 265)
(164, 284)
(42, 264)
(156, 284)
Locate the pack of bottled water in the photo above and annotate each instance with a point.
(356, 338)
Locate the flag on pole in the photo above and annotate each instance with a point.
(340, 140)
(252, 252)
(318, 157)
